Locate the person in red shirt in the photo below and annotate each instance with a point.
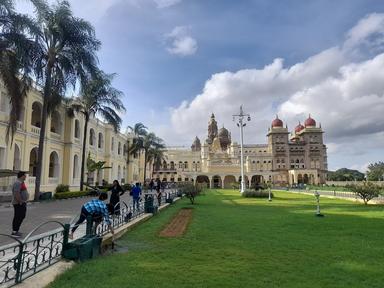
(19, 201)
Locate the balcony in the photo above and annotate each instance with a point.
(35, 130)
(165, 170)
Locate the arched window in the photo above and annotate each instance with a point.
(125, 150)
(54, 167)
(186, 165)
(56, 123)
(101, 141)
(119, 173)
(77, 129)
(112, 144)
(36, 114)
(33, 162)
(92, 137)
(119, 148)
(172, 165)
(16, 158)
(75, 167)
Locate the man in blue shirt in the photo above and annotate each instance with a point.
(97, 209)
(136, 193)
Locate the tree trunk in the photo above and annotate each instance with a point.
(83, 152)
(43, 125)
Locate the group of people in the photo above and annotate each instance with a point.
(96, 208)
(158, 187)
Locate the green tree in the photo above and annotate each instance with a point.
(98, 97)
(92, 166)
(67, 48)
(139, 130)
(156, 156)
(150, 143)
(366, 191)
(376, 171)
(18, 56)
(345, 174)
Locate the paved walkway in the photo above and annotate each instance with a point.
(40, 212)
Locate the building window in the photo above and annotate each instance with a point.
(101, 141)
(36, 114)
(56, 123)
(54, 165)
(92, 137)
(77, 129)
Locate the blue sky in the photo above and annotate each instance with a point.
(179, 60)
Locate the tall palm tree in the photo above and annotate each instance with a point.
(67, 48)
(156, 156)
(150, 143)
(17, 59)
(98, 97)
(139, 130)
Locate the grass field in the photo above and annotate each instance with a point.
(242, 242)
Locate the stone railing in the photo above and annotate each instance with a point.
(35, 130)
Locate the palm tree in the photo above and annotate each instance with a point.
(156, 156)
(139, 130)
(151, 143)
(98, 97)
(67, 48)
(17, 59)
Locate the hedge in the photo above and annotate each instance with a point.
(73, 194)
(256, 194)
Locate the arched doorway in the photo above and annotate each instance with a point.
(202, 181)
(256, 180)
(33, 156)
(17, 158)
(54, 167)
(299, 179)
(36, 114)
(216, 181)
(246, 181)
(229, 181)
(306, 179)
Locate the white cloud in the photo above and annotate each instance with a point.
(166, 3)
(180, 43)
(341, 92)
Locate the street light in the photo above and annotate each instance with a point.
(240, 118)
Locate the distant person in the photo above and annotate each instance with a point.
(114, 200)
(151, 184)
(158, 187)
(97, 209)
(136, 194)
(19, 201)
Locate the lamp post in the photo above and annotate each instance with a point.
(240, 118)
(317, 195)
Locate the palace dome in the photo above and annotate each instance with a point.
(277, 122)
(310, 122)
(223, 133)
(299, 127)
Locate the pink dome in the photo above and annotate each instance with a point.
(277, 122)
(310, 122)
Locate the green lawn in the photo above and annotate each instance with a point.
(242, 242)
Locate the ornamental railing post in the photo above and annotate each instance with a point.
(18, 263)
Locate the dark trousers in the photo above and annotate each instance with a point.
(20, 212)
(83, 215)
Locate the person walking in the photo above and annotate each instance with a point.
(97, 209)
(114, 200)
(136, 194)
(19, 201)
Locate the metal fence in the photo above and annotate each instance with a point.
(339, 194)
(23, 258)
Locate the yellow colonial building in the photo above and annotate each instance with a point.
(63, 147)
(287, 158)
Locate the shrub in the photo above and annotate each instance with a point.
(190, 191)
(62, 188)
(72, 194)
(256, 194)
(235, 185)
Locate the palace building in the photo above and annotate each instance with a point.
(63, 147)
(288, 158)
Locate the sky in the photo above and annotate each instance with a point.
(178, 61)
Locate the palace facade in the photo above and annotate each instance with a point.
(288, 158)
(63, 147)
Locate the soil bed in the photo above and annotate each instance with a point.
(178, 224)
